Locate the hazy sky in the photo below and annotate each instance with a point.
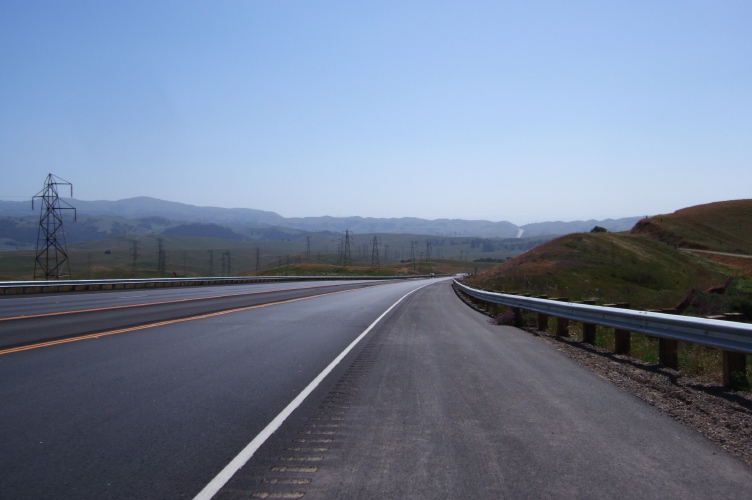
(501, 110)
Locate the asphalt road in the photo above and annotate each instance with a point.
(157, 412)
(441, 404)
(30, 319)
(433, 403)
(32, 304)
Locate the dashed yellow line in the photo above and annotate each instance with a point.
(162, 323)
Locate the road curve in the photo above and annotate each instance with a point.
(433, 403)
(441, 404)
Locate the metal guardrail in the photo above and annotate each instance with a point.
(724, 335)
(26, 287)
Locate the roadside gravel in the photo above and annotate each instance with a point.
(723, 416)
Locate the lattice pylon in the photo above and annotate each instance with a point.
(375, 261)
(51, 261)
(346, 252)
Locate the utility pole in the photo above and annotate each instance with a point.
(258, 259)
(51, 257)
(211, 262)
(412, 253)
(375, 261)
(308, 248)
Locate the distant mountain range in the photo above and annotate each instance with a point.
(143, 215)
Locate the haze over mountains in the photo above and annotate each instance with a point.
(144, 215)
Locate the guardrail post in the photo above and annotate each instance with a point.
(622, 338)
(668, 353)
(735, 370)
(517, 321)
(562, 324)
(734, 363)
(668, 349)
(588, 329)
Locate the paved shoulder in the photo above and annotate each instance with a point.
(441, 404)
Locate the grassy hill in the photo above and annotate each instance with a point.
(610, 267)
(647, 267)
(725, 226)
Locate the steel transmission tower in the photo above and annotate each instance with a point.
(375, 262)
(346, 253)
(51, 258)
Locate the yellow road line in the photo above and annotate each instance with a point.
(163, 323)
(111, 308)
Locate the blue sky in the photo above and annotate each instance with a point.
(520, 111)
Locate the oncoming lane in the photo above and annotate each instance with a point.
(85, 319)
(29, 305)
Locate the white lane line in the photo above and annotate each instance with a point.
(240, 460)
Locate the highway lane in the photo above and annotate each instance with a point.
(156, 413)
(441, 404)
(25, 305)
(33, 320)
(434, 403)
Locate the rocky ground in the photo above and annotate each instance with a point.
(723, 416)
